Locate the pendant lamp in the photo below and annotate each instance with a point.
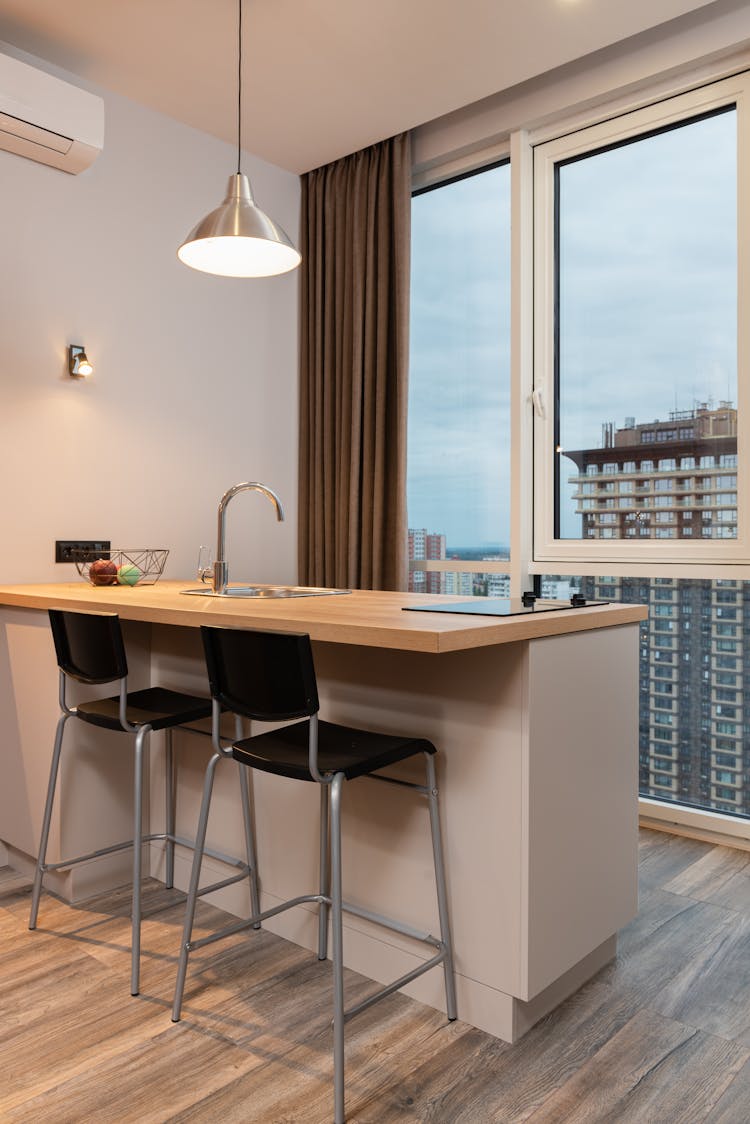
(238, 239)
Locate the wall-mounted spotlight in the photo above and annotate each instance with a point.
(78, 362)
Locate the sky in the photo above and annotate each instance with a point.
(459, 380)
(648, 323)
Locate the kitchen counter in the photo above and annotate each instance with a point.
(370, 618)
(536, 723)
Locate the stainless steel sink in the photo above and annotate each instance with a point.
(266, 591)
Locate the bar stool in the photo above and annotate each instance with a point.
(90, 649)
(270, 677)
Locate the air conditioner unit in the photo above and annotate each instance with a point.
(46, 119)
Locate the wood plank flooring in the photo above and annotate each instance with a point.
(660, 1036)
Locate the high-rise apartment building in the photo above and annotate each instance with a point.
(425, 546)
(678, 479)
(431, 546)
(458, 583)
(661, 480)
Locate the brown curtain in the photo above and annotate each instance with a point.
(355, 245)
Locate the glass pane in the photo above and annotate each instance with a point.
(647, 330)
(693, 683)
(459, 381)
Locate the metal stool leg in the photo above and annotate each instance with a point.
(247, 819)
(192, 898)
(169, 778)
(442, 894)
(337, 941)
(324, 873)
(135, 953)
(52, 785)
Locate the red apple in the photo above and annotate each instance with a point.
(103, 572)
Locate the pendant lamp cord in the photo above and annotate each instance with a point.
(239, 88)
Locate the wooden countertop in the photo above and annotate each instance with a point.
(371, 618)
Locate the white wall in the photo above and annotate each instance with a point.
(195, 384)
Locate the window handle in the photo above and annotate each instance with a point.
(538, 403)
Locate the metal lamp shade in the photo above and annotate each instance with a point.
(238, 239)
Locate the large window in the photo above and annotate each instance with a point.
(647, 299)
(628, 285)
(459, 386)
(639, 459)
(637, 290)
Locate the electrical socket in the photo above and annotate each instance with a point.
(69, 550)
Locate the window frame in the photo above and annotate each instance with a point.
(650, 555)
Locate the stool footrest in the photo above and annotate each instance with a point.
(390, 923)
(389, 989)
(251, 922)
(181, 841)
(225, 882)
(230, 860)
(85, 858)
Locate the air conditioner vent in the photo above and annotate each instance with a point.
(33, 135)
(48, 120)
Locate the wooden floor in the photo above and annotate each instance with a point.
(661, 1036)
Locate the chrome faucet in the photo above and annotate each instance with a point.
(218, 575)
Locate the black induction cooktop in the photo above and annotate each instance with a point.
(503, 606)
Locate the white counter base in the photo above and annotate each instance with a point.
(538, 784)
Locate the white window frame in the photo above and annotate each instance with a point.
(587, 555)
(523, 141)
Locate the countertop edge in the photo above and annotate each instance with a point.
(375, 618)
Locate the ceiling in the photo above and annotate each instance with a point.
(322, 77)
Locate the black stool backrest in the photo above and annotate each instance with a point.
(269, 676)
(89, 646)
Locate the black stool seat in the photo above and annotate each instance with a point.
(157, 707)
(341, 749)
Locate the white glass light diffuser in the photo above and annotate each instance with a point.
(238, 239)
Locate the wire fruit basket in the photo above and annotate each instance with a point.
(121, 567)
